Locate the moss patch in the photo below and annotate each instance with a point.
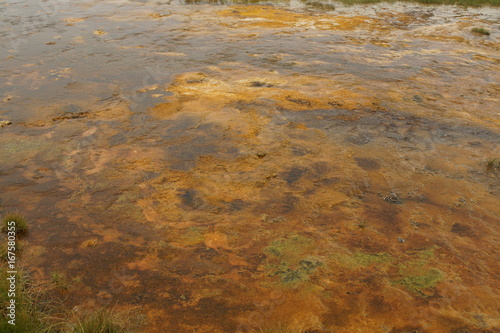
(290, 260)
(292, 248)
(417, 276)
(414, 274)
(362, 259)
(422, 283)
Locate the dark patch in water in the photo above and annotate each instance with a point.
(398, 126)
(378, 304)
(367, 163)
(294, 174)
(328, 181)
(290, 202)
(320, 168)
(184, 144)
(71, 108)
(300, 152)
(417, 99)
(192, 198)
(148, 175)
(206, 253)
(236, 205)
(118, 139)
(461, 230)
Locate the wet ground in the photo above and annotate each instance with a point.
(224, 168)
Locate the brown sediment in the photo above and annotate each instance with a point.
(274, 188)
(270, 17)
(199, 92)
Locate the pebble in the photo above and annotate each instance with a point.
(392, 198)
(4, 123)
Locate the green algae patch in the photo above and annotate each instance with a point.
(290, 260)
(423, 284)
(361, 259)
(414, 273)
(292, 275)
(192, 236)
(417, 276)
(292, 248)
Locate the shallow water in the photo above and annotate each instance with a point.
(225, 168)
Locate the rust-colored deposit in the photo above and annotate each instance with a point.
(236, 168)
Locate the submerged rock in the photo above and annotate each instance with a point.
(4, 123)
(393, 198)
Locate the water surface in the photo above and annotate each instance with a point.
(222, 168)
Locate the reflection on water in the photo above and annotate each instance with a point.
(231, 167)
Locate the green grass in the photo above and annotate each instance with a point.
(4, 247)
(20, 224)
(480, 31)
(492, 164)
(39, 310)
(60, 281)
(32, 309)
(321, 6)
(101, 321)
